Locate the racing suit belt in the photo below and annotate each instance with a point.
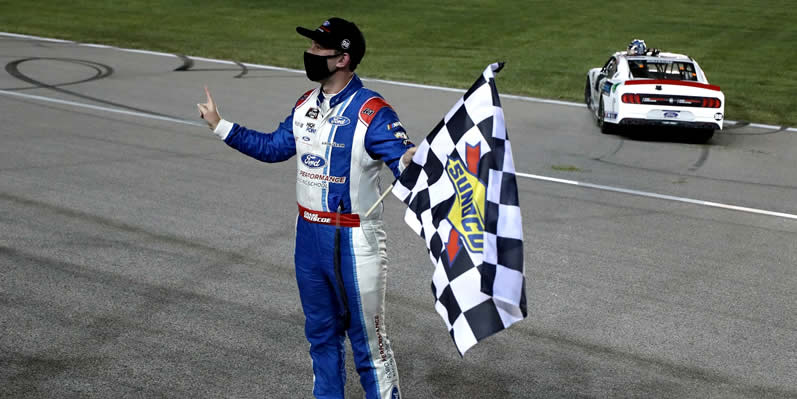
(330, 218)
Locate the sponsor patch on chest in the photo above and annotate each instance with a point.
(311, 128)
(333, 144)
(339, 120)
(312, 113)
(313, 161)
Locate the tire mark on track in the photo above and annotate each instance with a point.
(102, 71)
(742, 124)
(620, 142)
(244, 70)
(702, 160)
(737, 125)
(782, 129)
(697, 165)
(188, 66)
(105, 71)
(187, 63)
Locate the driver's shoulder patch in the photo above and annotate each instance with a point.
(303, 98)
(370, 108)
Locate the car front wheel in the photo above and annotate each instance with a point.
(588, 94)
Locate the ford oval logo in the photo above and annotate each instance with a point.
(670, 114)
(339, 121)
(313, 161)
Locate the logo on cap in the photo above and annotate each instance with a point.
(345, 44)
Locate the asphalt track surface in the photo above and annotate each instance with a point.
(142, 257)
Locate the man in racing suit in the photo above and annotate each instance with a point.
(341, 133)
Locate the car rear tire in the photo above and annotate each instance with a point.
(702, 136)
(606, 128)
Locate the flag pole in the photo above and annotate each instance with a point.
(381, 198)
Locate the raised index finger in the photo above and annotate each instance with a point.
(207, 92)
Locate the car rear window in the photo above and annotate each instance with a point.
(662, 69)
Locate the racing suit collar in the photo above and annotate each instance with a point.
(354, 84)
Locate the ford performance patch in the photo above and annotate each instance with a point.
(313, 161)
(339, 120)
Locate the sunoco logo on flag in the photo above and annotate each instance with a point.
(467, 212)
(462, 199)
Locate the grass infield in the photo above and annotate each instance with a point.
(749, 48)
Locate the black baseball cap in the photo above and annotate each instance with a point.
(338, 34)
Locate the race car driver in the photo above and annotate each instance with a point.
(340, 133)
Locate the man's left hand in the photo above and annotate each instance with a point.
(407, 157)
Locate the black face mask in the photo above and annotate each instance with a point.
(316, 66)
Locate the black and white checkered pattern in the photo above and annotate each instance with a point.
(481, 291)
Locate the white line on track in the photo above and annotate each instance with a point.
(98, 108)
(659, 196)
(414, 85)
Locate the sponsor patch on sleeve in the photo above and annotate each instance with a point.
(370, 108)
(303, 98)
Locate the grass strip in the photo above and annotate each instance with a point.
(747, 48)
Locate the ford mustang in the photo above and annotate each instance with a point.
(642, 86)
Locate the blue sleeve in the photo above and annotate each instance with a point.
(386, 139)
(267, 147)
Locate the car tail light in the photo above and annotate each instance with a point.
(631, 99)
(711, 103)
(678, 101)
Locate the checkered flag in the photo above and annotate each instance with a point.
(462, 200)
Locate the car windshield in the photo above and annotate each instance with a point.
(662, 69)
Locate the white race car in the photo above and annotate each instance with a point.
(642, 86)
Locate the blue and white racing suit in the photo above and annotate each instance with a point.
(340, 255)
